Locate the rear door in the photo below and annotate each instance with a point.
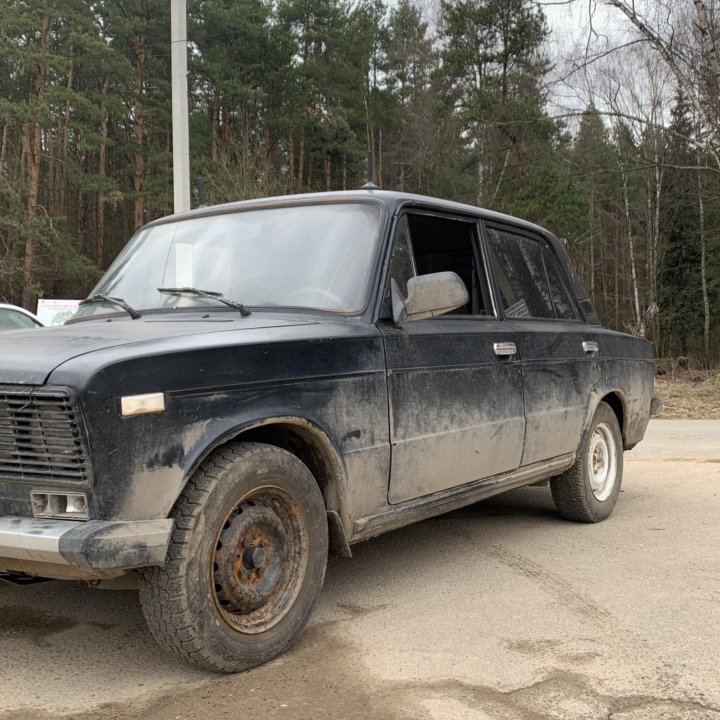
(557, 348)
(454, 382)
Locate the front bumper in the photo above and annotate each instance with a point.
(94, 546)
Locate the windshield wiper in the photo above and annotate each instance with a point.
(208, 294)
(134, 314)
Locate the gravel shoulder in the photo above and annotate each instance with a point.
(690, 394)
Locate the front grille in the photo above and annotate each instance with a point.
(41, 437)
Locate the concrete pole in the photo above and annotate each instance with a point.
(181, 140)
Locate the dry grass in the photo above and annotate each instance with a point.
(690, 394)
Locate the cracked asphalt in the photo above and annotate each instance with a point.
(498, 611)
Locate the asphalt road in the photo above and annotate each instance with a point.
(500, 610)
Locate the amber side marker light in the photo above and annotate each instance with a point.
(132, 405)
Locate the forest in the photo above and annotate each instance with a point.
(613, 143)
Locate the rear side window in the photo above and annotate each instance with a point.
(520, 273)
(564, 306)
(529, 277)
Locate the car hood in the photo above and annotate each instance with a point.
(28, 357)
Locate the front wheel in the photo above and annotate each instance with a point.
(246, 561)
(588, 491)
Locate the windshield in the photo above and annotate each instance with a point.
(307, 256)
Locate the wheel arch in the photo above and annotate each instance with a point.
(616, 400)
(313, 447)
(617, 404)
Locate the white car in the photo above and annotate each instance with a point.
(13, 317)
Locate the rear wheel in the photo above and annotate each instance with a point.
(246, 560)
(588, 491)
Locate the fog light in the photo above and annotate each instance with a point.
(39, 504)
(59, 505)
(76, 504)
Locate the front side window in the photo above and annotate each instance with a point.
(308, 256)
(426, 244)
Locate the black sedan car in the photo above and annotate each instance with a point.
(252, 383)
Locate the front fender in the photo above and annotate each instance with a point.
(143, 463)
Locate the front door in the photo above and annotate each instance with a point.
(454, 382)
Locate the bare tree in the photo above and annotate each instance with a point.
(687, 46)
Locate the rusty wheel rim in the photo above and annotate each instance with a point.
(259, 560)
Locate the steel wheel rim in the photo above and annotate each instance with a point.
(259, 560)
(602, 461)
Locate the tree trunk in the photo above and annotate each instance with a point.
(370, 131)
(639, 319)
(100, 230)
(480, 172)
(245, 144)
(267, 158)
(60, 183)
(653, 222)
(291, 157)
(380, 159)
(617, 286)
(214, 129)
(3, 146)
(138, 45)
(33, 144)
(49, 143)
(591, 217)
(225, 132)
(703, 268)
(301, 162)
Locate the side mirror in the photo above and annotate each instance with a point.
(428, 296)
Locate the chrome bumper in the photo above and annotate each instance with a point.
(92, 545)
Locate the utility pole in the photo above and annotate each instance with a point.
(181, 140)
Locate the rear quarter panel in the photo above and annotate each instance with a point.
(625, 367)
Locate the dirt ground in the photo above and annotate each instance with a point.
(500, 611)
(690, 394)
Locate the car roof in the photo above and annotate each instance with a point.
(393, 200)
(17, 308)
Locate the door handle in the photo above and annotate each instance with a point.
(590, 346)
(503, 349)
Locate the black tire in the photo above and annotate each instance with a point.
(580, 493)
(246, 560)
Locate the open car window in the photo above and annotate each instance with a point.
(427, 243)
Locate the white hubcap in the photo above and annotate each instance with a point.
(602, 462)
